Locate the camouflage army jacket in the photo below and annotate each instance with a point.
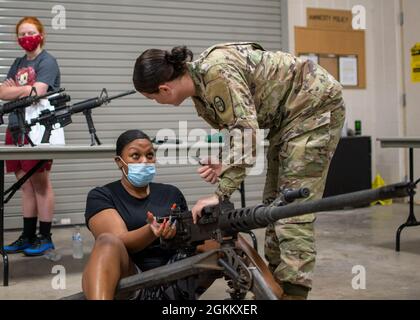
(241, 86)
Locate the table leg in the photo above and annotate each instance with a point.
(18, 184)
(4, 254)
(242, 190)
(411, 221)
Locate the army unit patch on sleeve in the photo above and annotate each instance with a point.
(219, 104)
(218, 95)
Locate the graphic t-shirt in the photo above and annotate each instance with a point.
(44, 68)
(133, 212)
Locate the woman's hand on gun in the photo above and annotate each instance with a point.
(165, 230)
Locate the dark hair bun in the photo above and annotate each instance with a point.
(179, 56)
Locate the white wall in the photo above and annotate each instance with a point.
(380, 105)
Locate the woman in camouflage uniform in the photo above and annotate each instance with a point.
(241, 86)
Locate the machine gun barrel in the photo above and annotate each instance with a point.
(247, 219)
(224, 220)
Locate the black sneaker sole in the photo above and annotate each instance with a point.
(33, 254)
(13, 252)
(36, 254)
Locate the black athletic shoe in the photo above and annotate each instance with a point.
(39, 246)
(19, 245)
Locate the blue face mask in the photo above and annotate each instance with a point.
(140, 174)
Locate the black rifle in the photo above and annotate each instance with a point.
(235, 260)
(16, 111)
(61, 116)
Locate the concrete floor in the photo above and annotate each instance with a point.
(363, 237)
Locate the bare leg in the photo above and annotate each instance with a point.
(44, 195)
(29, 204)
(108, 263)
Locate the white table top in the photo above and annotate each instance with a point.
(400, 142)
(8, 152)
(56, 152)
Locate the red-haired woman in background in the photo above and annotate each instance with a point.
(36, 69)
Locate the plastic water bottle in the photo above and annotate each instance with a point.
(52, 255)
(77, 244)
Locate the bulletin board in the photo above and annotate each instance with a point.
(330, 63)
(329, 43)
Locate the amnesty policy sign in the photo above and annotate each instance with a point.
(415, 63)
(329, 19)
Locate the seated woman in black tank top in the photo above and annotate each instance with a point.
(121, 216)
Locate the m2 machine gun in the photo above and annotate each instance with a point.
(233, 258)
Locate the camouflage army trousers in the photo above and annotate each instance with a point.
(302, 160)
